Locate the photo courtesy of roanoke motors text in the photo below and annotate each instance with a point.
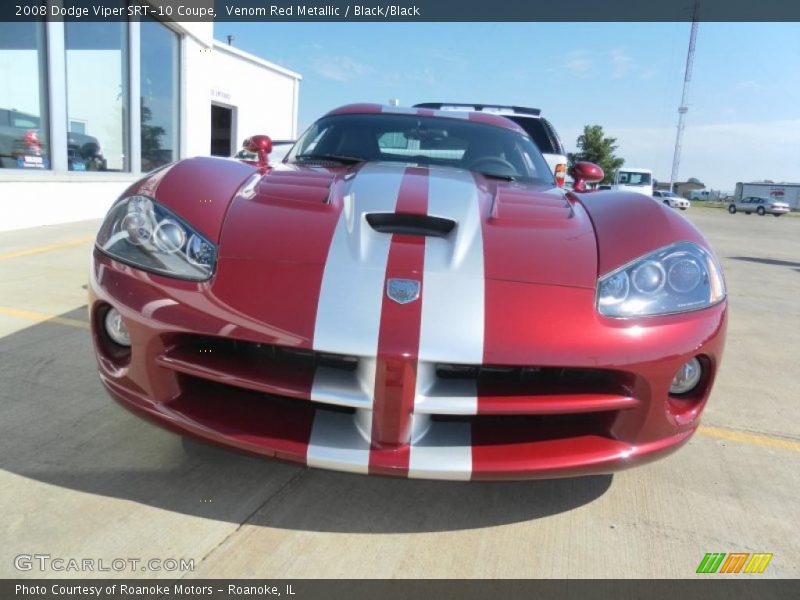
(436, 299)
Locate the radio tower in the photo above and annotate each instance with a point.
(683, 108)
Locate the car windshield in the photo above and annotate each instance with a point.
(488, 149)
(632, 178)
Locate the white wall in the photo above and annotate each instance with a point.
(263, 94)
(33, 203)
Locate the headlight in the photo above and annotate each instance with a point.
(142, 233)
(677, 278)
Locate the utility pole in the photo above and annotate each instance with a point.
(684, 108)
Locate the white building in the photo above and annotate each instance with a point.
(86, 108)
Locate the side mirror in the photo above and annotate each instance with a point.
(584, 172)
(261, 145)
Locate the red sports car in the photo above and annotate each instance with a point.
(408, 293)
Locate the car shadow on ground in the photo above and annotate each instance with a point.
(768, 261)
(59, 427)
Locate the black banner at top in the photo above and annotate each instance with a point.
(404, 10)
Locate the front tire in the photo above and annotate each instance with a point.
(667, 203)
(761, 211)
(732, 209)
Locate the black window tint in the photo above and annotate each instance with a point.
(537, 131)
(556, 141)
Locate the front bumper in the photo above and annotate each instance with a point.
(591, 397)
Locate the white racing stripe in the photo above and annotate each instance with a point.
(337, 444)
(444, 453)
(453, 299)
(349, 309)
(452, 326)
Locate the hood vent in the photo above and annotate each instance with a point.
(410, 224)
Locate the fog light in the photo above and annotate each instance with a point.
(115, 328)
(687, 377)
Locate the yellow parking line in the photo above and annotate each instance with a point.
(39, 317)
(749, 438)
(47, 248)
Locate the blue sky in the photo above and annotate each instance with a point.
(744, 117)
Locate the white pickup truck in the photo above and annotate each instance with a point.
(633, 180)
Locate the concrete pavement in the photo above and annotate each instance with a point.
(82, 478)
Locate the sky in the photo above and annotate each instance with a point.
(743, 122)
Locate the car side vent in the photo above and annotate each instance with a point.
(410, 224)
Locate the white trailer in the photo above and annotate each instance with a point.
(783, 192)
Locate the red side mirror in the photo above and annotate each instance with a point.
(261, 145)
(585, 172)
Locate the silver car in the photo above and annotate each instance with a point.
(759, 205)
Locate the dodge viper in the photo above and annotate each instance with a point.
(408, 293)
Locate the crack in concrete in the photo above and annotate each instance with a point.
(287, 484)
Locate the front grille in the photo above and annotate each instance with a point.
(288, 372)
(253, 352)
(201, 390)
(457, 389)
(441, 388)
(525, 380)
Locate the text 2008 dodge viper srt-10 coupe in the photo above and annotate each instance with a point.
(408, 293)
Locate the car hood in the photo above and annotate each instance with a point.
(509, 231)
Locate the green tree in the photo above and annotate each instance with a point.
(594, 146)
(152, 151)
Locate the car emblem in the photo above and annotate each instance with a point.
(403, 291)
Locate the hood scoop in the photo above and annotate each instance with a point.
(521, 206)
(410, 224)
(289, 186)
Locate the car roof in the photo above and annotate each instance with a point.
(477, 117)
(500, 109)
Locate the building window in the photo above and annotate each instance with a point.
(97, 96)
(159, 94)
(23, 100)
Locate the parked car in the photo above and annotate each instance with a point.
(540, 130)
(21, 147)
(780, 192)
(758, 205)
(408, 294)
(20, 144)
(671, 199)
(84, 153)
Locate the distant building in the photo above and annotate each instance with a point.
(682, 188)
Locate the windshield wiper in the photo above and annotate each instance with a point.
(346, 160)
